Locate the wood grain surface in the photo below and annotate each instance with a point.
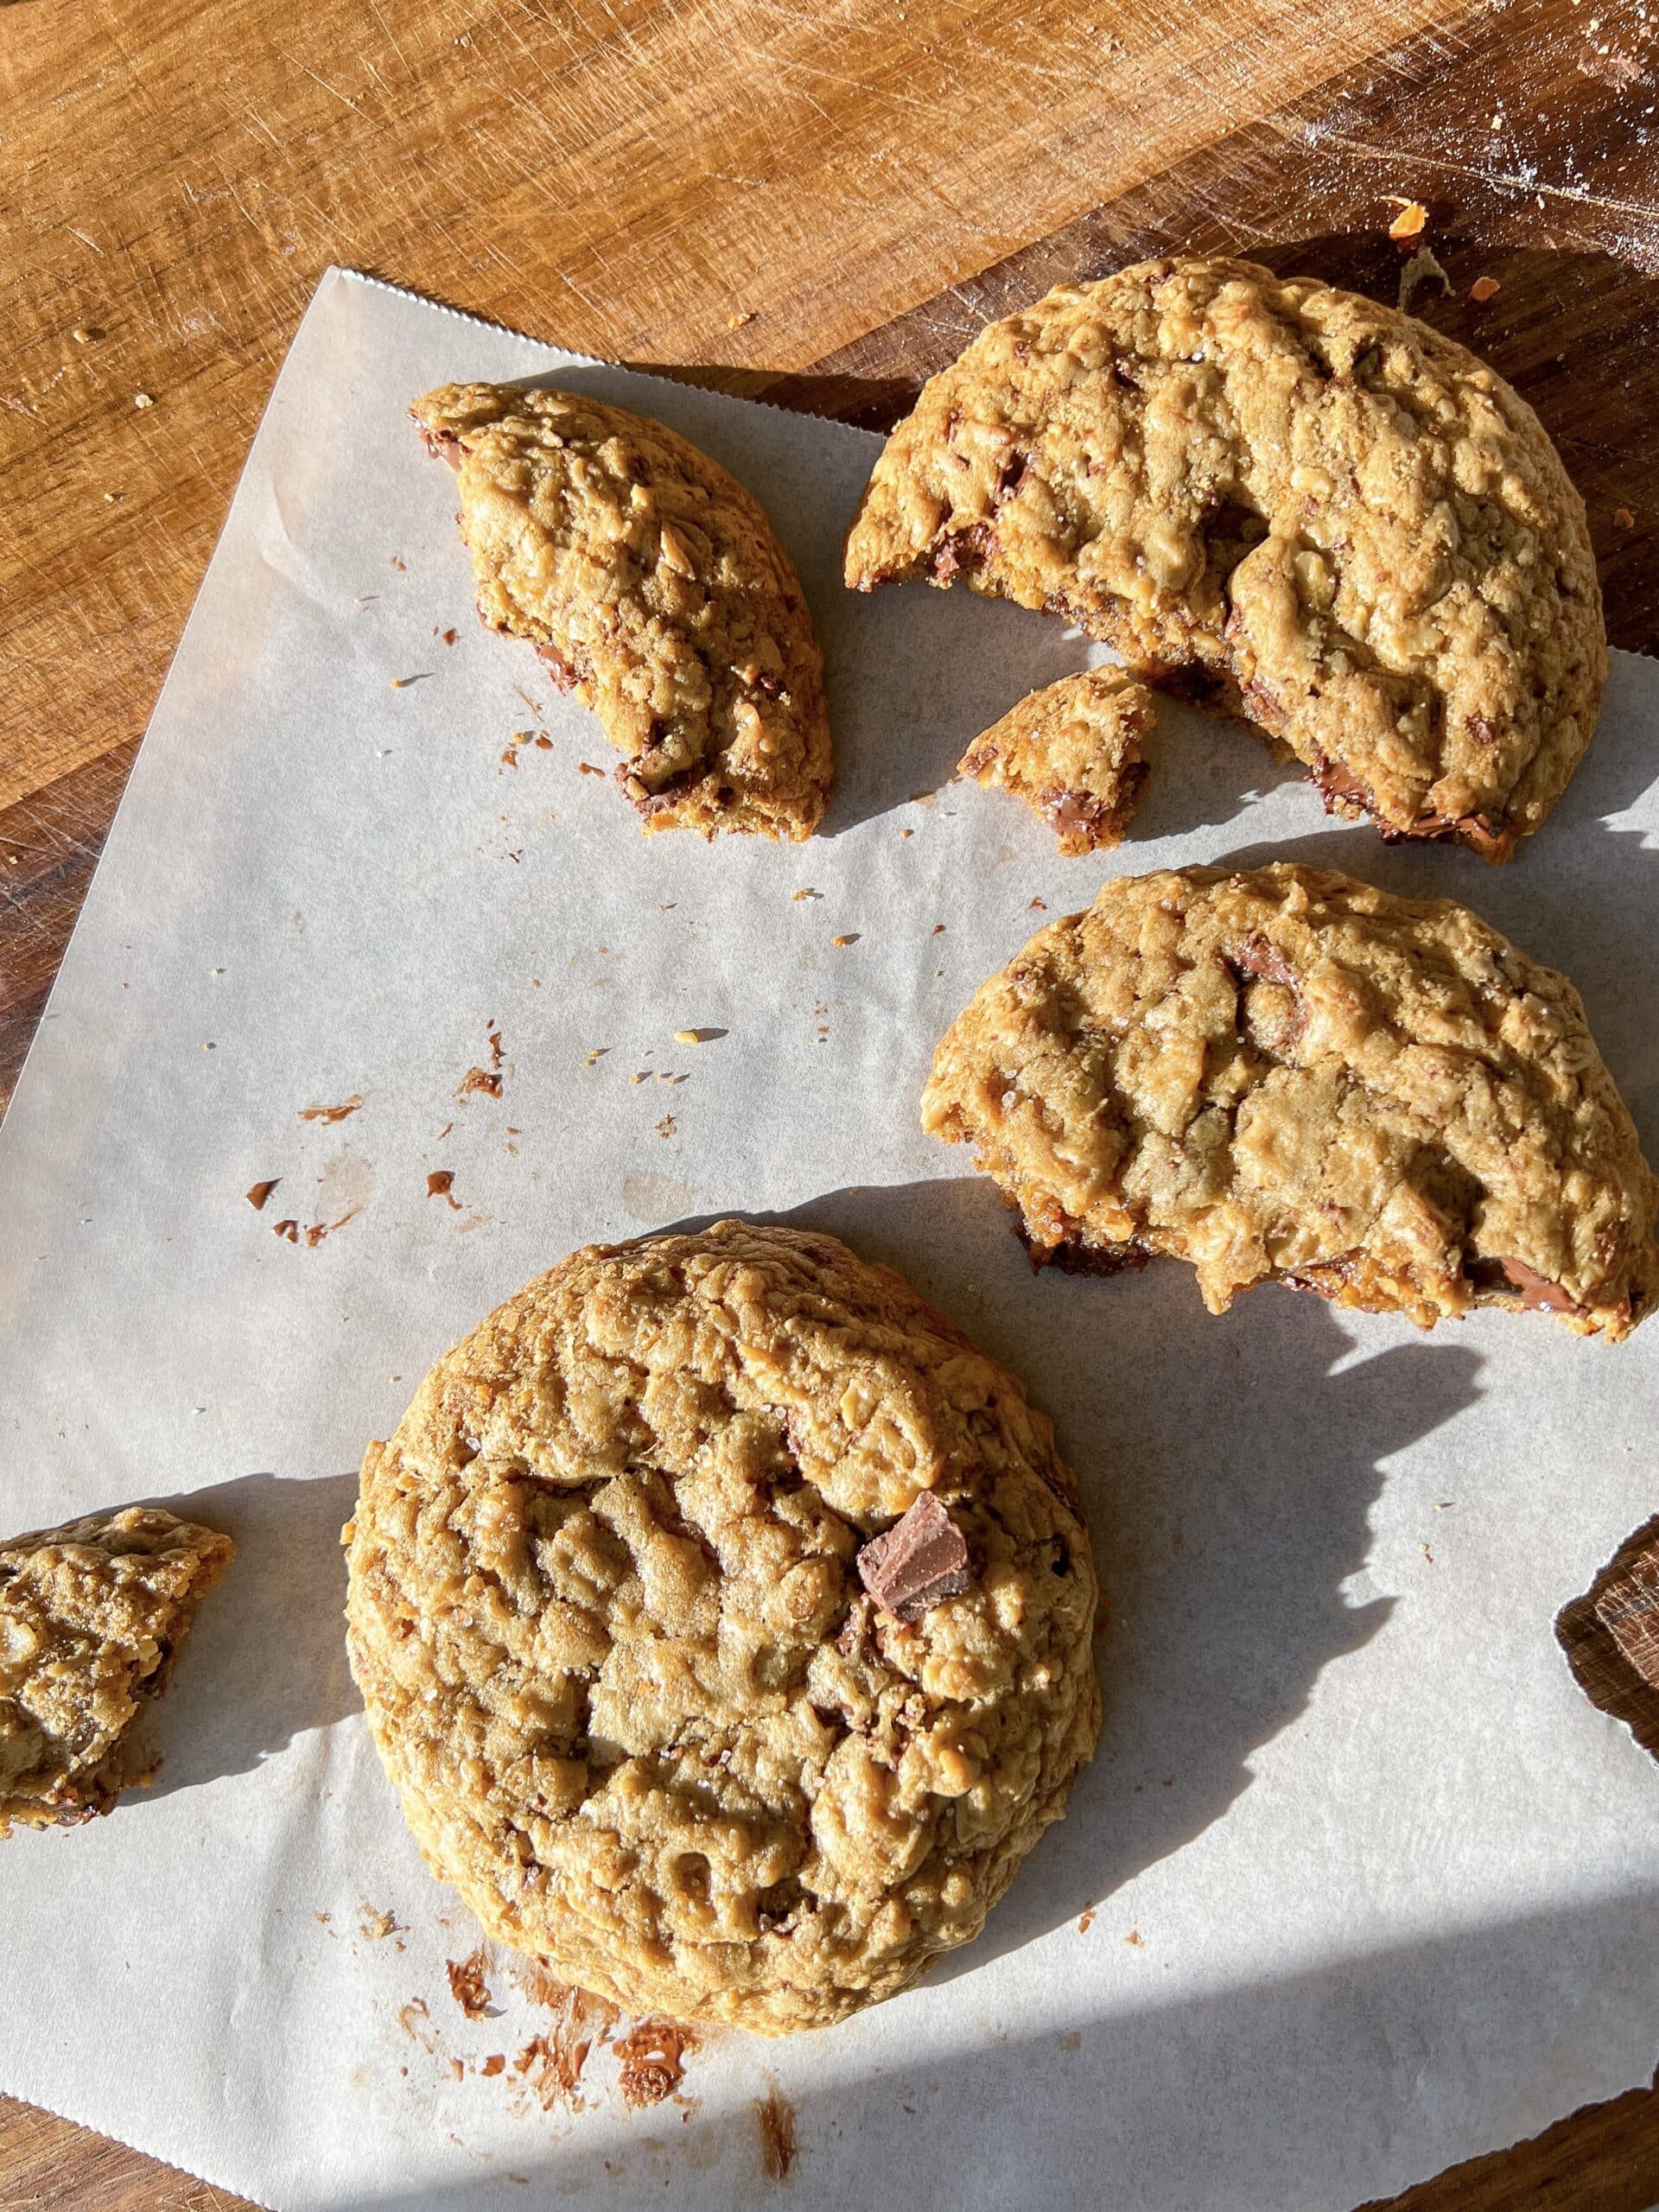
(815, 205)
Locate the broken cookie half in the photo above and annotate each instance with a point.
(651, 585)
(91, 1617)
(1072, 752)
(1284, 1075)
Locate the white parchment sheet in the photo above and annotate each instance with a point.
(1373, 1887)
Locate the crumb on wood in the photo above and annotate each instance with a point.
(1485, 289)
(142, 399)
(778, 2149)
(1623, 518)
(1410, 218)
(1423, 268)
(741, 319)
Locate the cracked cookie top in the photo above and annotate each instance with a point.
(618, 1617)
(651, 585)
(1307, 508)
(1287, 1075)
(91, 1615)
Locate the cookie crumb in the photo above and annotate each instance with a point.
(653, 2058)
(740, 320)
(667, 1126)
(142, 399)
(586, 768)
(1085, 1921)
(329, 1114)
(479, 1079)
(796, 897)
(1038, 906)
(260, 1192)
(439, 1184)
(851, 937)
(468, 1986)
(1136, 1938)
(1409, 221)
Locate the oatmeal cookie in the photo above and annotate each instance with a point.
(1284, 1075)
(724, 1617)
(90, 1616)
(1310, 510)
(1072, 753)
(651, 583)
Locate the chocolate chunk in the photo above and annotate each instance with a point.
(1629, 1613)
(1610, 1635)
(1263, 962)
(917, 1563)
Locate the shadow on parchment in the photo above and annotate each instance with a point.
(1304, 2091)
(1228, 1510)
(264, 1661)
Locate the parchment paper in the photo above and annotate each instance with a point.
(1373, 1886)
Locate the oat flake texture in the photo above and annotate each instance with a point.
(1295, 505)
(606, 1617)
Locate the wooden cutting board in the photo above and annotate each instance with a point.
(815, 205)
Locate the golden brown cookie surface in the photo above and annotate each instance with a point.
(91, 1615)
(1071, 752)
(1287, 1075)
(652, 586)
(1308, 508)
(648, 1708)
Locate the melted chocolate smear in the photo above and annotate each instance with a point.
(1513, 1278)
(1073, 1257)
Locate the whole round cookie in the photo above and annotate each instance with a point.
(1284, 1075)
(1310, 509)
(724, 1617)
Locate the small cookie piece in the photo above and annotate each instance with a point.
(606, 1616)
(1284, 1075)
(1310, 510)
(651, 585)
(91, 1617)
(1072, 753)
